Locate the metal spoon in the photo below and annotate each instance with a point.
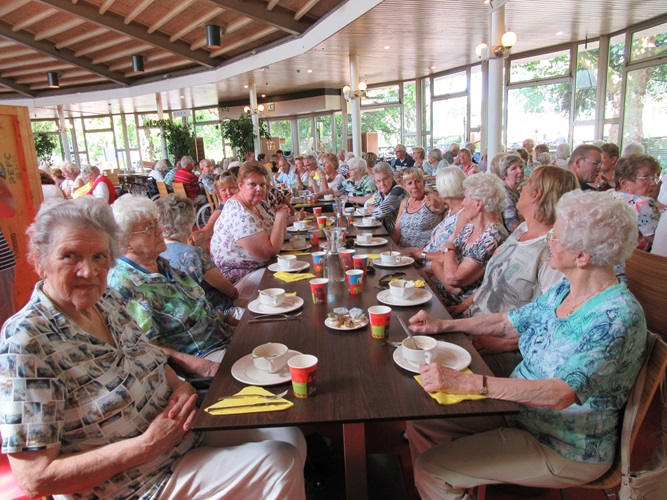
(407, 330)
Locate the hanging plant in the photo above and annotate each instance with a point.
(239, 133)
(179, 137)
(45, 144)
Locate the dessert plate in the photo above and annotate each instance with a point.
(291, 303)
(419, 296)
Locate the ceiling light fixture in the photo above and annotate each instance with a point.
(507, 41)
(138, 63)
(213, 36)
(349, 93)
(310, 71)
(256, 111)
(387, 47)
(52, 77)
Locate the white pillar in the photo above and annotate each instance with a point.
(252, 89)
(496, 87)
(484, 132)
(355, 105)
(163, 139)
(62, 121)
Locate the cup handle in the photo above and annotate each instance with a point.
(428, 357)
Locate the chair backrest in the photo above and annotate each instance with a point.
(647, 280)
(213, 200)
(113, 177)
(655, 364)
(162, 189)
(179, 188)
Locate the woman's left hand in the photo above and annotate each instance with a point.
(436, 377)
(181, 402)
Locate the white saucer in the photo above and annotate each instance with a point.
(361, 224)
(244, 371)
(375, 242)
(299, 265)
(449, 355)
(292, 229)
(405, 261)
(330, 323)
(287, 247)
(419, 296)
(291, 303)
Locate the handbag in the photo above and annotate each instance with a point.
(650, 482)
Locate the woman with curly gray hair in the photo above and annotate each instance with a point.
(460, 272)
(582, 343)
(511, 172)
(102, 187)
(73, 178)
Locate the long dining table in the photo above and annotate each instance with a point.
(358, 380)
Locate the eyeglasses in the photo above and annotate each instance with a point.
(148, 229)
(551, 237)
(649, 179)
(598, 164)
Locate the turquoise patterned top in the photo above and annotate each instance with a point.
(364, 187)
(170, 307)
(597, 351)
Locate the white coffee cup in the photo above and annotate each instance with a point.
(286, 261)
(364, 237)
(272, 297)
(368, 221)
(402, 289)
(300, 225)
(270, 357)
(298, 243)
(328, 197)
(425, 355)
(390, 257)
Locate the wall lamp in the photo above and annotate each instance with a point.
(52, 78)
(348, 93)
(507, 41)
(257, 111)
(138, 63)
(213, 36)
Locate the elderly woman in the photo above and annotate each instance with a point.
(449, 183)
(562, 155)
(419, 155)
(610, 155)
(159, 170)
(176, 216)
(543, 160)
(387, 198)
(246, 236)
(332, 179)
(371, 160)
(418, 214)
(73, 178)
(102, 187)
(167, 304)
(511, 172)
(635, 175)
(461, 266)
(360, 186)
(582, 344)
(226, 187)
(465, 162)
(97, 412)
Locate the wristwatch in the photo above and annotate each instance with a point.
(484, 390)
(423, 258)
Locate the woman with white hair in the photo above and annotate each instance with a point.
(73, 178)
(387, 198)
(562, 155)
(583, 345)
(461, 266)
(360, 186)
(511, 172)
(102, 187)
(159, 170)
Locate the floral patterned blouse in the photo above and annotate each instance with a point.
(235, 223)
(648, 215)
(364, 187)
(63, 387)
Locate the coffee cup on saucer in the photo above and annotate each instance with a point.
(402, 289)
(286, 261)
(364, 237)
(368, 221)
(272, 297)
(270, 357)
(425, 351)
(300, 225)
(390, 257)
(298, 243)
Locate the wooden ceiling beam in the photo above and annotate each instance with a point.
(137, 10)
(279, 17)
(17, 52)
(304, 10)
(101, 46)
(114, 22)
(105, 6)
(195, 24)
(35, 18)
(21, 89)
(119, 54)
(81, 37)
(59, 28)
(30, 71)
(271, 4)
(12, 6)
(244, 41)
(230, 28)
(170, 15)
(27, 40)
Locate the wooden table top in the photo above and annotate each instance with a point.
(357, 378)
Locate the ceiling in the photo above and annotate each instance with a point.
(283, 46)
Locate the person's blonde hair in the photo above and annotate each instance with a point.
(551, 183)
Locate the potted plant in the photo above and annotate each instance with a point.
(239, 133)
(178, 135)
(44, 145)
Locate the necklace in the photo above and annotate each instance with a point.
(599, 290)
(110, 338)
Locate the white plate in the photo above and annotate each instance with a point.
(244, 371)
(449, 355)
(375, 242)
(361, 224)
(291, 303)
(292, 229)
(287, 247)
(419, 296)
(330, 323)
(299, 265)
(405, 261)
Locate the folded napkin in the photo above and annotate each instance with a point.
(287, 294)
(219, 407)
(418, 283)
(298, 254)
(291, 277)
(449, 399)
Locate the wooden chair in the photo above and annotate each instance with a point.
(113, 177)
(162, 188)
(213, 199)
(179, 188)
(647, 280)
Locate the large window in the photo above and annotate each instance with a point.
(282, 129)
(306, 143)
(449, 122)
(549, 65)
(649, 43)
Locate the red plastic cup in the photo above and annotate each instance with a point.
(379, 317)
(321, 221)
(314, 237)
(303, 371)
(318, 262)
(355, 281)
(360, 261)
(347, 254)
(317, 211)
(319, 288)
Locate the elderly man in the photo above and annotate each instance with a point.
(586, 162)
(315, 174)
(403, 160)
(189, 180)
(452, 153)
(529, 145)
(286, 173)
(206, 174)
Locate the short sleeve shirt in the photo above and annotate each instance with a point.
(648, 215)
(64, 387)
(235, 223)
(597, 351)
(443, 233)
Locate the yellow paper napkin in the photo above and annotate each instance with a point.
(219, 407)
(449, 399)
(373, 256)
(298, 254)
(291, 277)
(418, 283)
(287, 294)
